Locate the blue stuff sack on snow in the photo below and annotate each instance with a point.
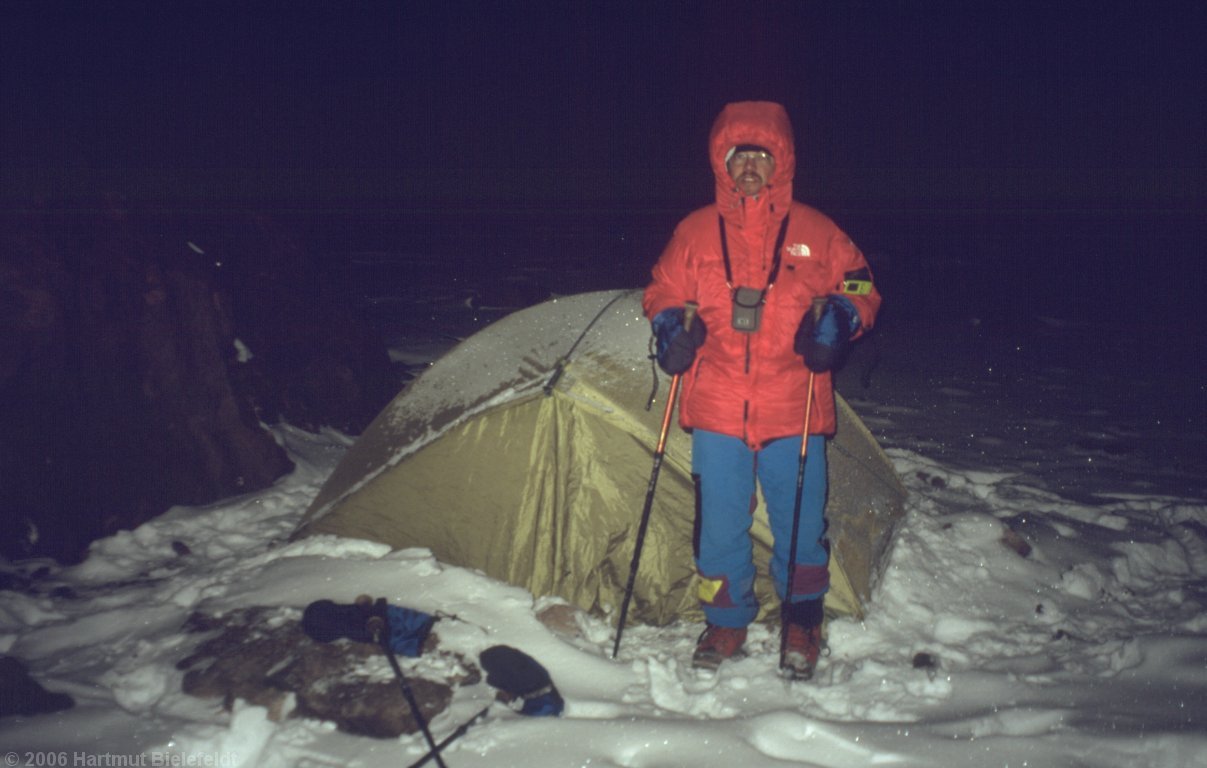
(408, 629)
(326, 621)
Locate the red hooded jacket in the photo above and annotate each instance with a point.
(752, 385)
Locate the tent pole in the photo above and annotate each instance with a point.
(818, 305)
(689, 313)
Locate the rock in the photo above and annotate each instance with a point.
(20, 694)
(561, 618)
(315, 361)
(925, 660)
(115, 400)
(1014, 541)
(262, 656)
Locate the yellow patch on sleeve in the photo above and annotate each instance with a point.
(857, 287)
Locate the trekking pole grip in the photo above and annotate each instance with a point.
(817, 307)
(689, 314)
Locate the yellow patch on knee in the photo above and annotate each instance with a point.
(708, 589)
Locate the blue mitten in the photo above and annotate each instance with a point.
(675, 346)
(824, 340)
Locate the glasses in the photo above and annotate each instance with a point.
(756, 156)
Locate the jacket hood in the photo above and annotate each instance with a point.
(766, 124)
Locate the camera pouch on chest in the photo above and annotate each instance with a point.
(747, 309)
(748, 302)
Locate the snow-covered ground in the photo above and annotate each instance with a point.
(1089, 650)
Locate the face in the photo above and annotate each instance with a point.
(751, 171)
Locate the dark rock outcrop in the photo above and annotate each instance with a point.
(126, 387)
(314, 362)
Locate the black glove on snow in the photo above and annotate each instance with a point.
(518, 676)
(326, 620)
(823, 341)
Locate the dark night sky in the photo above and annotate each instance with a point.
(578, 88)
(904, 111)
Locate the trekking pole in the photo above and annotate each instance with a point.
(819, 303)
(689, 313)
(376, 626)
(434, 753)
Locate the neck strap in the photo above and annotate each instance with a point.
(775, 261)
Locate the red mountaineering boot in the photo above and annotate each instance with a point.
(716, 644)
(801, 651)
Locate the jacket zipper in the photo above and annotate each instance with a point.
(746, 421)
(746, 403)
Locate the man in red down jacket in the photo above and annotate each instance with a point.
(754, 262)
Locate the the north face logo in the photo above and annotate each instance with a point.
(799, 250)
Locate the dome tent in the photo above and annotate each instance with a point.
(493, 462)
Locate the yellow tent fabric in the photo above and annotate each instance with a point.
(484, 463)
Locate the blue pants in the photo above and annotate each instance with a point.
(726, 470)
